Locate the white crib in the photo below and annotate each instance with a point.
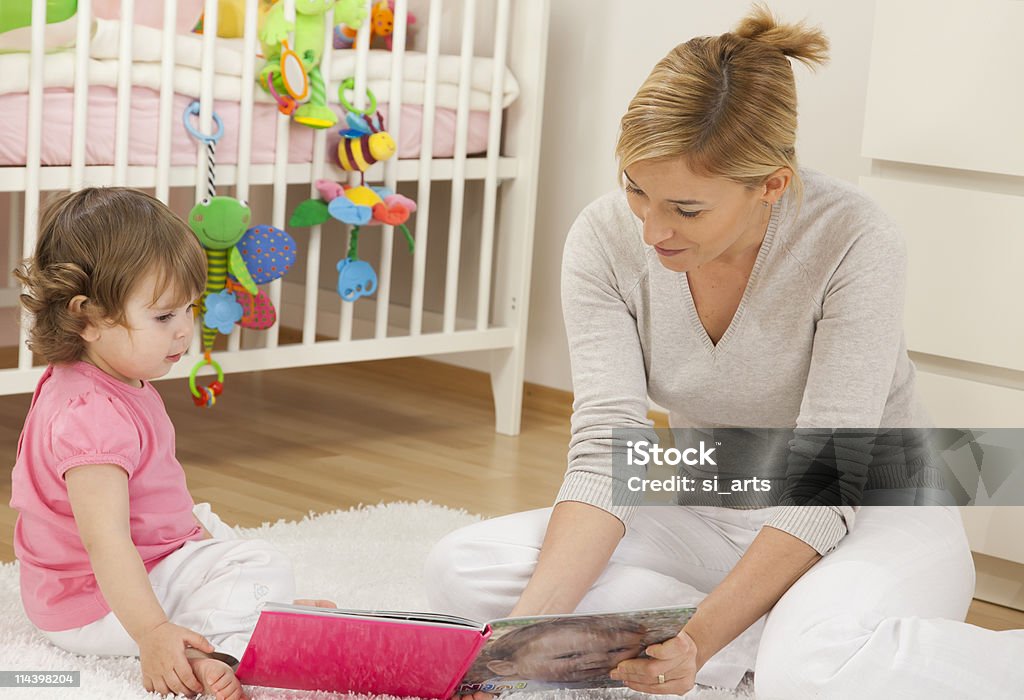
(481, 305)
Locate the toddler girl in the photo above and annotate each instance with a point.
(114, 560)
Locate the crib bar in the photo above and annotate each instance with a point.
(391, 166)
(13, 224)
(277, 216)
(280, 199)
(318, 168)
(244, 157)
(248, 94)
(79, 113)
(14, 256)
(33, 152)
(57, 177)
(166, 120)
(455, 210)
(235, 339)
(491, 179)
(359, 101)
(309, 314)
(426, 157)
(207, 67)
(206, 76)
(124, 93)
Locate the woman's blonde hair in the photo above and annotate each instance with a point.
(727, 104)
(99, 243)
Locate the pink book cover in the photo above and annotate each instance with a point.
(403, 654)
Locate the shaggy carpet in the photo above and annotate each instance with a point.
(367, 558)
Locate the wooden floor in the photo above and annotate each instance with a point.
(283, 443)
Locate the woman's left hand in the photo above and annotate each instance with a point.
(670, 670)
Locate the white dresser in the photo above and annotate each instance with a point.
(944, 127)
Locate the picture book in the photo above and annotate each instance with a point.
(433, 656)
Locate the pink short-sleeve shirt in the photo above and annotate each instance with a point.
(80, 416)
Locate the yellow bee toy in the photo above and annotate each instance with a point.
(365, 142)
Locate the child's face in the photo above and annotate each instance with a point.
(571, 655)
(157, 335)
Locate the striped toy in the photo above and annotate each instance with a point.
(219, 223)
(364, 143)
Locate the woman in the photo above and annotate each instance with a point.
(736, 289)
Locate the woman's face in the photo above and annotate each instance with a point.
(690, 219)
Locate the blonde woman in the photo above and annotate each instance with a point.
(738, 289)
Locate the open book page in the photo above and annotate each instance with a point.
(422, 617)
(567, 651)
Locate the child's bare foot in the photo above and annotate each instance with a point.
(318, 603)
(217, 678)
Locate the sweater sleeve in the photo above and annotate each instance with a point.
(608, 375)
(856, 347)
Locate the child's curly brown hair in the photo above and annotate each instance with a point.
(98, 243)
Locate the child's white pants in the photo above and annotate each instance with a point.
(214, 587)
(880, 616)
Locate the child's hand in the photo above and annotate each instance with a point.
(164, 666)
(317, 603)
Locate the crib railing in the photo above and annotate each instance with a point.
(506, 174)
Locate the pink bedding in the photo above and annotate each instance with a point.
(56, 141)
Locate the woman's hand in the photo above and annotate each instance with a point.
(165, 669)
(674, 661)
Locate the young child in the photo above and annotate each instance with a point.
(113, 559)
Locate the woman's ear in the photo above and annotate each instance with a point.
(776, 185)
(90, 332)
(502, 667)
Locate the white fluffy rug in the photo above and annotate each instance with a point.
(363, 558)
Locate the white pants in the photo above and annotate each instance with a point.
(215, 587)
(880, 616)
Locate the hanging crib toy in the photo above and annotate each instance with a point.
(238, 257)
(359, 207)
(364, 143)
(291, 74)
(382, 24)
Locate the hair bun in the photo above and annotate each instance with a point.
(806, 44)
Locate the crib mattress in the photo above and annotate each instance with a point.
(142, 135)
(58, 72)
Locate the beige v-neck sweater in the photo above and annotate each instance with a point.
(816, 343)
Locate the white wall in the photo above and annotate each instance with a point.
(599, 53)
